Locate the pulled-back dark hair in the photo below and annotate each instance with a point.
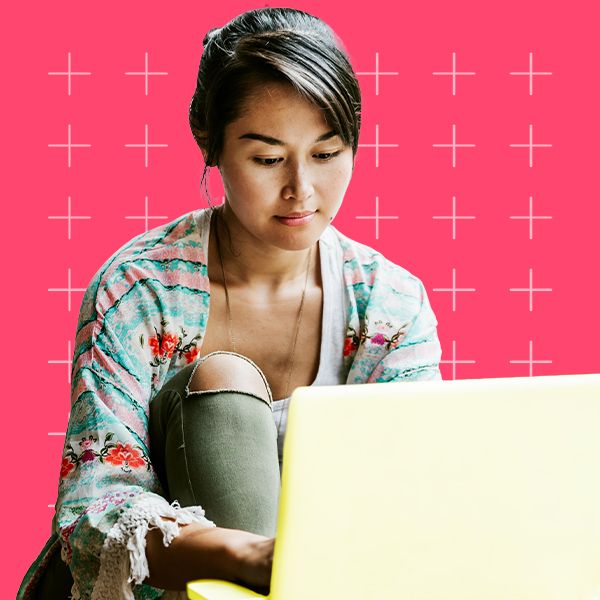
(282, 45)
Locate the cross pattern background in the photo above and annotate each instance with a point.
(476, 171)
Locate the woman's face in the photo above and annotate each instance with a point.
(279, 159)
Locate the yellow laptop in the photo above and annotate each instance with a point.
(484, 489)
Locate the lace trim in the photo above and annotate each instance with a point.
(123, 557)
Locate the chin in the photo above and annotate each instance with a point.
(298, 238)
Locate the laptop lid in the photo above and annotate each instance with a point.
(483, 489)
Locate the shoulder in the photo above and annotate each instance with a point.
(153, 250)
(166, 258)
(368, 269)
(388, 309)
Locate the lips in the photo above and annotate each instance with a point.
(297, 215)
(297, 221)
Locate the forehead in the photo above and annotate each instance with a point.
(276, 106)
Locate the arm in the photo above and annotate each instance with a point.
(118, 533)
(417, 356)
(109, 495)
(208, 553)
(196, 553)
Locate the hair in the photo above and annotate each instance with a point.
(272, 45)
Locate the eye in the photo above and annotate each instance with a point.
(266, 162)
(328, 155)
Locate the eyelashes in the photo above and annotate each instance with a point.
(263, 161)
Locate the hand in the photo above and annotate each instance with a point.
(253, 555)
(201, 552)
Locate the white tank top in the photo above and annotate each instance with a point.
(333, 332)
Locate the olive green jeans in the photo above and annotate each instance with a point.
(217, 448)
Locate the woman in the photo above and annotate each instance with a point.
(192, 337)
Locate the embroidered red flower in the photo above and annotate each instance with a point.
(66, 467)
(155, 345)
(125, 454)
(168, 344)
(350, 346)
(164, 345)
(190, 356)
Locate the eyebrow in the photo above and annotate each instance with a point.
(274, 142)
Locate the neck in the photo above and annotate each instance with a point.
(249, 263)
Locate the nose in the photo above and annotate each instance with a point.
(299, 182)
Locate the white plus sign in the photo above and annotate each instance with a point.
(377, 73)
(530, 73)
(530, 145)
(377, 216)
(69, 217)
(530, 360)
(454, 73)
(145, 216)
(530, 217)
(377, 145)
(59, 433)
(453, 289)
(69, 145)
(530, 290)
(68, 289)
(146, 145)
(68, 73)
(68, 362)
(454, 145)
(453, 217)
(454, 361)
(145, 72)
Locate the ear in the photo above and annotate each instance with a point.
(202, 140)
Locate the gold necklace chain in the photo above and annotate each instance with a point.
(291, 361)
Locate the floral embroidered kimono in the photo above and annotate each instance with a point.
(142, 319)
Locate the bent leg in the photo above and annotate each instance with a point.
(214, 442)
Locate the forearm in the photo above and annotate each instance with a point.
(198, 552)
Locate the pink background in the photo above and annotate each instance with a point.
(107, 183)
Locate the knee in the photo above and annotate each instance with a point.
(229, 371)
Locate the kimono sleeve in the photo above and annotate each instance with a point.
(109, 494)
(418, 355)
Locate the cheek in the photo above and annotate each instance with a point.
(243, 181)
(255, 180)
(339, 178)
